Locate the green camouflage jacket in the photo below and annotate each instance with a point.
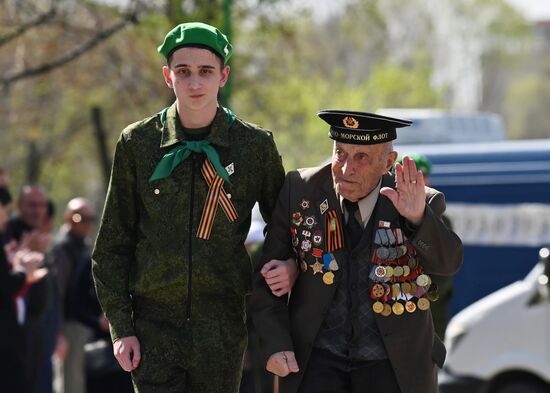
(147, 249)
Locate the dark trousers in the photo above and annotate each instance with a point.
(328, 373)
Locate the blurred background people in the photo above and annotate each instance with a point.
(19, 270)
(25, 230)
(69, 257)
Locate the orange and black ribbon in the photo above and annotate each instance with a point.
(334, 238)
(216, 196)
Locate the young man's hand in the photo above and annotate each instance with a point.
(127, 352)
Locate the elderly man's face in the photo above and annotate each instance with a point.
(33, 206)
(356, 169)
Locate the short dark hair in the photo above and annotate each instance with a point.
(222, 64)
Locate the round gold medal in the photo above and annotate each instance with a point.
(406, 270)
(378, 307)
(433, 295)
(398, 308)
(410, 306)
(387, 310)
(423, 304)
(328, 278)
(406, 287)
(398, 271)
(378, 290)
(389, 271)
(412, 262)
(423, 280)
(395, 290)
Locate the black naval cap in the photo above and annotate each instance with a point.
(361, 128)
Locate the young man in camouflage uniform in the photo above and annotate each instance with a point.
(170, 266)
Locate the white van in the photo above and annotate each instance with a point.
(500, 344)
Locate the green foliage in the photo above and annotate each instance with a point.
(527, 107)
(286, 67)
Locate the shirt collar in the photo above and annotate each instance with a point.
(366, 205)
(172, 130)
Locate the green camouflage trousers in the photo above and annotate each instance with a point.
(200, 355)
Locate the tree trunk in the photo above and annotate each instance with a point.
(99, 134)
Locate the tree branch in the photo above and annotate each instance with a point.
(39, 20)
(71, 55)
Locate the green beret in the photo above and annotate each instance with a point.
(196, 33)
(422, 162)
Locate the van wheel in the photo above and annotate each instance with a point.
(522, 387)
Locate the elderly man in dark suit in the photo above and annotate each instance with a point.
(358, 317)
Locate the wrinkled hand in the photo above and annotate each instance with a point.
(280, 275)
(410, 197)
(282, 363)
(127, 352)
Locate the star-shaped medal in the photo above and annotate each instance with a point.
(317, 267)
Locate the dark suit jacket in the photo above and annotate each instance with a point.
(411, 345)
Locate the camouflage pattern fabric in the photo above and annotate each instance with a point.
(147, 252)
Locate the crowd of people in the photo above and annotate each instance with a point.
(48, 308)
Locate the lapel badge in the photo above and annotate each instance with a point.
(317, 267)
(383, 224)
(304, 204)
(324, 206)
(303, 265)
(306, 245)
(306, 233)
(332, 224)
(230, 169)
(297, 219)
(317, 252)
(317, 238)
(333, 265)
(328, 260)
(310, 221)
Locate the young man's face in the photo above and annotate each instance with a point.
(357, 169)
(195, 75)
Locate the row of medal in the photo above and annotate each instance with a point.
(399, 283)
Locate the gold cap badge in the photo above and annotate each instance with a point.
(350, 122)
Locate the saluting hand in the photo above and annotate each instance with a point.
(410, 197)
(127, 352)
(282, 363)
(280, 275)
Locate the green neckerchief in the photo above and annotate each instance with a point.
(180, 153)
